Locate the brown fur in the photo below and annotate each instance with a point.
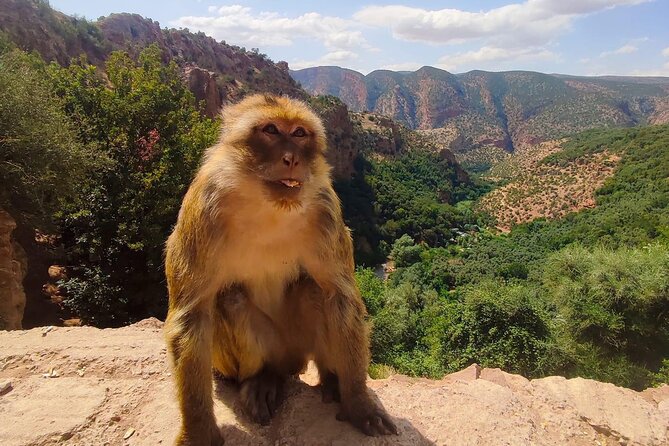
(260, 275)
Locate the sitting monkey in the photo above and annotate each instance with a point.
(260, 274)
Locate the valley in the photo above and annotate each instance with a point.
(526, 215)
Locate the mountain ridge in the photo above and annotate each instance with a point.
(495, 112)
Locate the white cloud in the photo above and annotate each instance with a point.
(241, 25)
(494, 54)
(665, 52)
(629, 48)
(339, 57)
(403, 66)
(625, 49)
(530, 23)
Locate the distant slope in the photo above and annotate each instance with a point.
(497, 111)
(545, 190)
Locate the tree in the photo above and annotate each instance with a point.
(146, 121)
(42, 164)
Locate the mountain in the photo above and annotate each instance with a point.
(217, 72)
(489, 112)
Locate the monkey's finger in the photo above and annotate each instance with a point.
(366, 426)
(388, 423)
(377, 425)
(263, 414)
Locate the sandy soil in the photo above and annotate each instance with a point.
(85, 386)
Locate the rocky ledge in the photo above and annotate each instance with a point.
(85, 386)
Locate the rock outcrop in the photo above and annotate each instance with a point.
(85, 386)
(342, 148)
(13, 268)
(380, 134)
(205, 89)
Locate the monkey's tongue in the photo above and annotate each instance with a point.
(290, 183)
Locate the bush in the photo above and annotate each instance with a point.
(498, 325)
(405, 252)
(612, 307)
(43, 164)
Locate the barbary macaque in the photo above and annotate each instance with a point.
(260, 274)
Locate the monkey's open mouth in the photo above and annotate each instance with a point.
(289, 182)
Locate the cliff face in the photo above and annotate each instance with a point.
(13, 267)
(380, 134)
(501, 111)
(86, 386)
(205, 88)
(342, 149)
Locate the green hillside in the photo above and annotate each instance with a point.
(585, 295)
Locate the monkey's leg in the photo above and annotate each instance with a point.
(247, 342)
(346, 355)
(329, 385)
(189, 335)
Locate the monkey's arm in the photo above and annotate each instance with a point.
(189, 326)
(348, 342)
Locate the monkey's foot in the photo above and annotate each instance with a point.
(371, 419)
(196, 436)
(261, 395)
(330, 387)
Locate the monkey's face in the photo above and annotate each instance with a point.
(283, 153)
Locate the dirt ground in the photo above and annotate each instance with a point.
(85, 386)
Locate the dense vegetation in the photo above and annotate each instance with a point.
(145, 120)
(105, 157)
(586, 295)
(416, 193)
(42, 164)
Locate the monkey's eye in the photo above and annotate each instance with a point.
(271, 129)
(299, 132)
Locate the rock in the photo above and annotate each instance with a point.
(74, 322)
(111, 405)
(342, 149)
(5, 387)
(13, 268)
(501, 378)
(203, 85)
(129, 433)
(469, 374)
(57, 272)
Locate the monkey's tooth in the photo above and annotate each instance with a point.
(291, 183)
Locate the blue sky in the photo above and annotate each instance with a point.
(584, 37)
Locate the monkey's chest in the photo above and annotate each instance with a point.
(265, 257)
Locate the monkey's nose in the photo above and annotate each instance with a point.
(289, 160)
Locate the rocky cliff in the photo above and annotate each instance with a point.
(34, 26)
(13, 267)
(85, 386)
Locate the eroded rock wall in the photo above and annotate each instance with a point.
(13, 267)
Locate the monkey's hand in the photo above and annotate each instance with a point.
(367, 416)
(205, 436)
